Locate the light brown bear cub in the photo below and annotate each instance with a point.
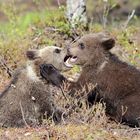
(118, 83)
(27, 99)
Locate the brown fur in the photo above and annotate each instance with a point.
(27, 99)
(118, 83)
(33, 98)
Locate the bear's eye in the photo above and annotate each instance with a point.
(57, 50)
(81, 45)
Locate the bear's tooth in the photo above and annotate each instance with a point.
(68, 64)
(73, 60)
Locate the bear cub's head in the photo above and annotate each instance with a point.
(49, 55)
(88, 48)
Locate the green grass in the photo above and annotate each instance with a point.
(43, 18)
(19, 35)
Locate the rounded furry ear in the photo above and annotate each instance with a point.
(32, 54)
(108, 43)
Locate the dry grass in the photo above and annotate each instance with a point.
(80, 123)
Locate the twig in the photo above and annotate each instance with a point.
(105, 14)
(75, 40)
(124, 110)
(63, 93)
(23, 117)
(128, 19)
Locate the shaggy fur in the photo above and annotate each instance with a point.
(118, 83)
(27, 99)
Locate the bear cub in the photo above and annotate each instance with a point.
(28, 99)
(118, 83)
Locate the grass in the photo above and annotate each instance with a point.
(82, 124)
(50, 27)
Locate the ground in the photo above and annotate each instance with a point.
(20, 31)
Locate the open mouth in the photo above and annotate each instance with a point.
(69, 60)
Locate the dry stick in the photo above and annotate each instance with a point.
(63, 93)
(124, 110)
(52, 29)
(23, 115)
(129, 18)
(74, 40)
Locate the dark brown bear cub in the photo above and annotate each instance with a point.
(118, 83)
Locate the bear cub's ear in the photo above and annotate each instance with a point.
(108, 43)
(32, 54)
